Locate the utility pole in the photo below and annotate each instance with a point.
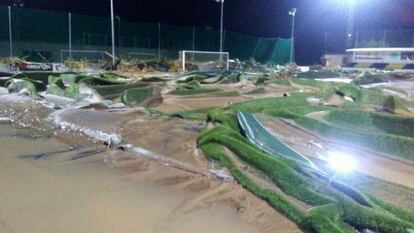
(70, 35)
(10, 34)
(113, 33)
(292, 13)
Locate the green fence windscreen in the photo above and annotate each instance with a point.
(274, 50)
(47, 33)
(282, 52)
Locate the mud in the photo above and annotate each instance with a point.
(58, 180)
(172, 103)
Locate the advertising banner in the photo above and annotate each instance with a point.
(383, 57)
(35, 66)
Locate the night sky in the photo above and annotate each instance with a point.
(266, 18)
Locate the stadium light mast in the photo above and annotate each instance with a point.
(350, 24)
(113, 33)
(221, 24)
(292, 13)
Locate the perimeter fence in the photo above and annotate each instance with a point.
(45, 35)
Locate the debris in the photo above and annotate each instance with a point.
(21, 86)
(4, 91)
(221, 174)
(254, 131)
(315, 100)
(136, 95)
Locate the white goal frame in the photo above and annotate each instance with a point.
(183, 52)
(102, 53)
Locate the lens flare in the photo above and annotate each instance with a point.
(341, 162)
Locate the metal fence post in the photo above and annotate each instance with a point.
(10, 34)
(113, 32)
(70, 35)
(159, 40)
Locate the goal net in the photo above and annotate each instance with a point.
(142, 56)
(78, 55)
(203, 60)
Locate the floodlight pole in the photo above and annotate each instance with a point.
(10, 34)
(350, 26)
(70, 35)
(113, 33)
(221, 28)
(221, 25)
(292, 12)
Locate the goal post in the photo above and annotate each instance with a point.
(94, 55)
(203, 60)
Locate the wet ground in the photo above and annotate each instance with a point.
(70, 175)
(58, 180)
(404, 89)
(174, 103)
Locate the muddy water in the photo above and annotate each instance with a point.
(55, 192)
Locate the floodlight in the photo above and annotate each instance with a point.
(292, 12)
(341, 162)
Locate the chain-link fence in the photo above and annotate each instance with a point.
(368, 38)
(385, 38)
(47, 35)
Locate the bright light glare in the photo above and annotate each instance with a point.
(343, 3)
(341, 162)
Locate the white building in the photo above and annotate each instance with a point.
(381, 58)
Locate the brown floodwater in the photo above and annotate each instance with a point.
(46, 186)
